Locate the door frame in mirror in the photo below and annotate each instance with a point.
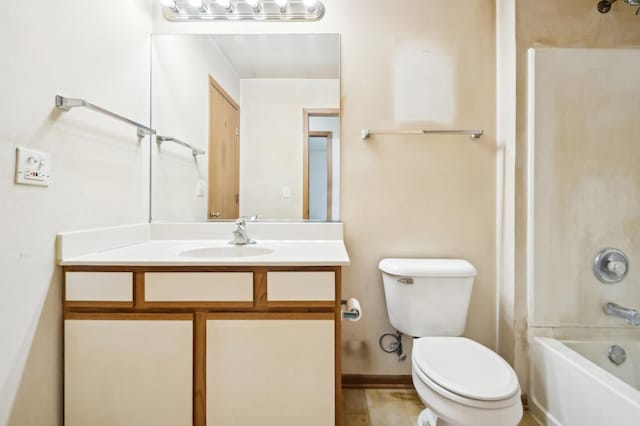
(306, 114)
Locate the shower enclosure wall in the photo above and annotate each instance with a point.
(584, 196)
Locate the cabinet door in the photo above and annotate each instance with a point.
(270, 372)
(128, 372)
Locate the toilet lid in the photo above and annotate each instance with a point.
(465, 367)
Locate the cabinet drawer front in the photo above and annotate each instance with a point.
(99, 286)
(301, 286)
(198, 287)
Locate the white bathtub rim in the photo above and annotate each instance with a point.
(611, 382)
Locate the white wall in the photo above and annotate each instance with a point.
(271, 132)
(94, 50)
(181, 66)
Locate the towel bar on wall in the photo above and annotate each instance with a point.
(66, 104)
(473, 134)
(194, 151)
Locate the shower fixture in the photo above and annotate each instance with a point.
(604, 6)
(243, 10)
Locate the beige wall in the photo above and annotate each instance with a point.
(270, 132)
(402, 196)
(409, 196)
(550, 23)
(98, 51)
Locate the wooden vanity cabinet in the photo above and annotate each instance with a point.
(203, 346)
(270, 370)
(124, 369)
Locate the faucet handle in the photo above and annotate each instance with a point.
(243, 219)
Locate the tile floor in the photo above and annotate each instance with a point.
(389, 407)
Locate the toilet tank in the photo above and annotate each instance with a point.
(428, 297)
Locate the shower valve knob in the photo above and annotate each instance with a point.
(617, 267)
(611, 266)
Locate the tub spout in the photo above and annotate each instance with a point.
(629, 314)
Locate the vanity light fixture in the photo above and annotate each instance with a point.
(226, 4)
(243, 10)
(282, 4)
(255, 4)
(171, 4)
(198, 4)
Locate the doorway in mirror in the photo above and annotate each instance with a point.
(321, 138)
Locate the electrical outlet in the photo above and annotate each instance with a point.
(32, 167)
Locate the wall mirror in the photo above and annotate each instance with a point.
(247, 125)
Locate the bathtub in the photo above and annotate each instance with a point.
(573, 383)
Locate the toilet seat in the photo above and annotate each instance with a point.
(465, 371)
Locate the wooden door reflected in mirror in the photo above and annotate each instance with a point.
(224, 154)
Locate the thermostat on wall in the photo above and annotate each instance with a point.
(32, 167)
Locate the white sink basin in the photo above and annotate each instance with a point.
(226, 251)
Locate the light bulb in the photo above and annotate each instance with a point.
(225, 3)
(255, 5)
(311, 4)
(282, 4)
(196, 3)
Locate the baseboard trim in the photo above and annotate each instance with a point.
(373, 381)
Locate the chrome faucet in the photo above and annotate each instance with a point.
(629, 314)
(240, 237)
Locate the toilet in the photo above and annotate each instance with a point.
(459, 380)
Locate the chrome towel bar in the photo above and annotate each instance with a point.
(66, 104)
(194, 151)
(473, 134)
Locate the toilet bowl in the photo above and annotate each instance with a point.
(459, 380)
(464, 383)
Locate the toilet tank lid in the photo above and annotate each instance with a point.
(428, 267)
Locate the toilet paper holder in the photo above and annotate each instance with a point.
(352, 314)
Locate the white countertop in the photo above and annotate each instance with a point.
(135, 245)
(167, 253)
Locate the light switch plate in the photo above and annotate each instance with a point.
(32, 167)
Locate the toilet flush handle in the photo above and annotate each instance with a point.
(405, 280)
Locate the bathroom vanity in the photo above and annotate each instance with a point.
(180, 332)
